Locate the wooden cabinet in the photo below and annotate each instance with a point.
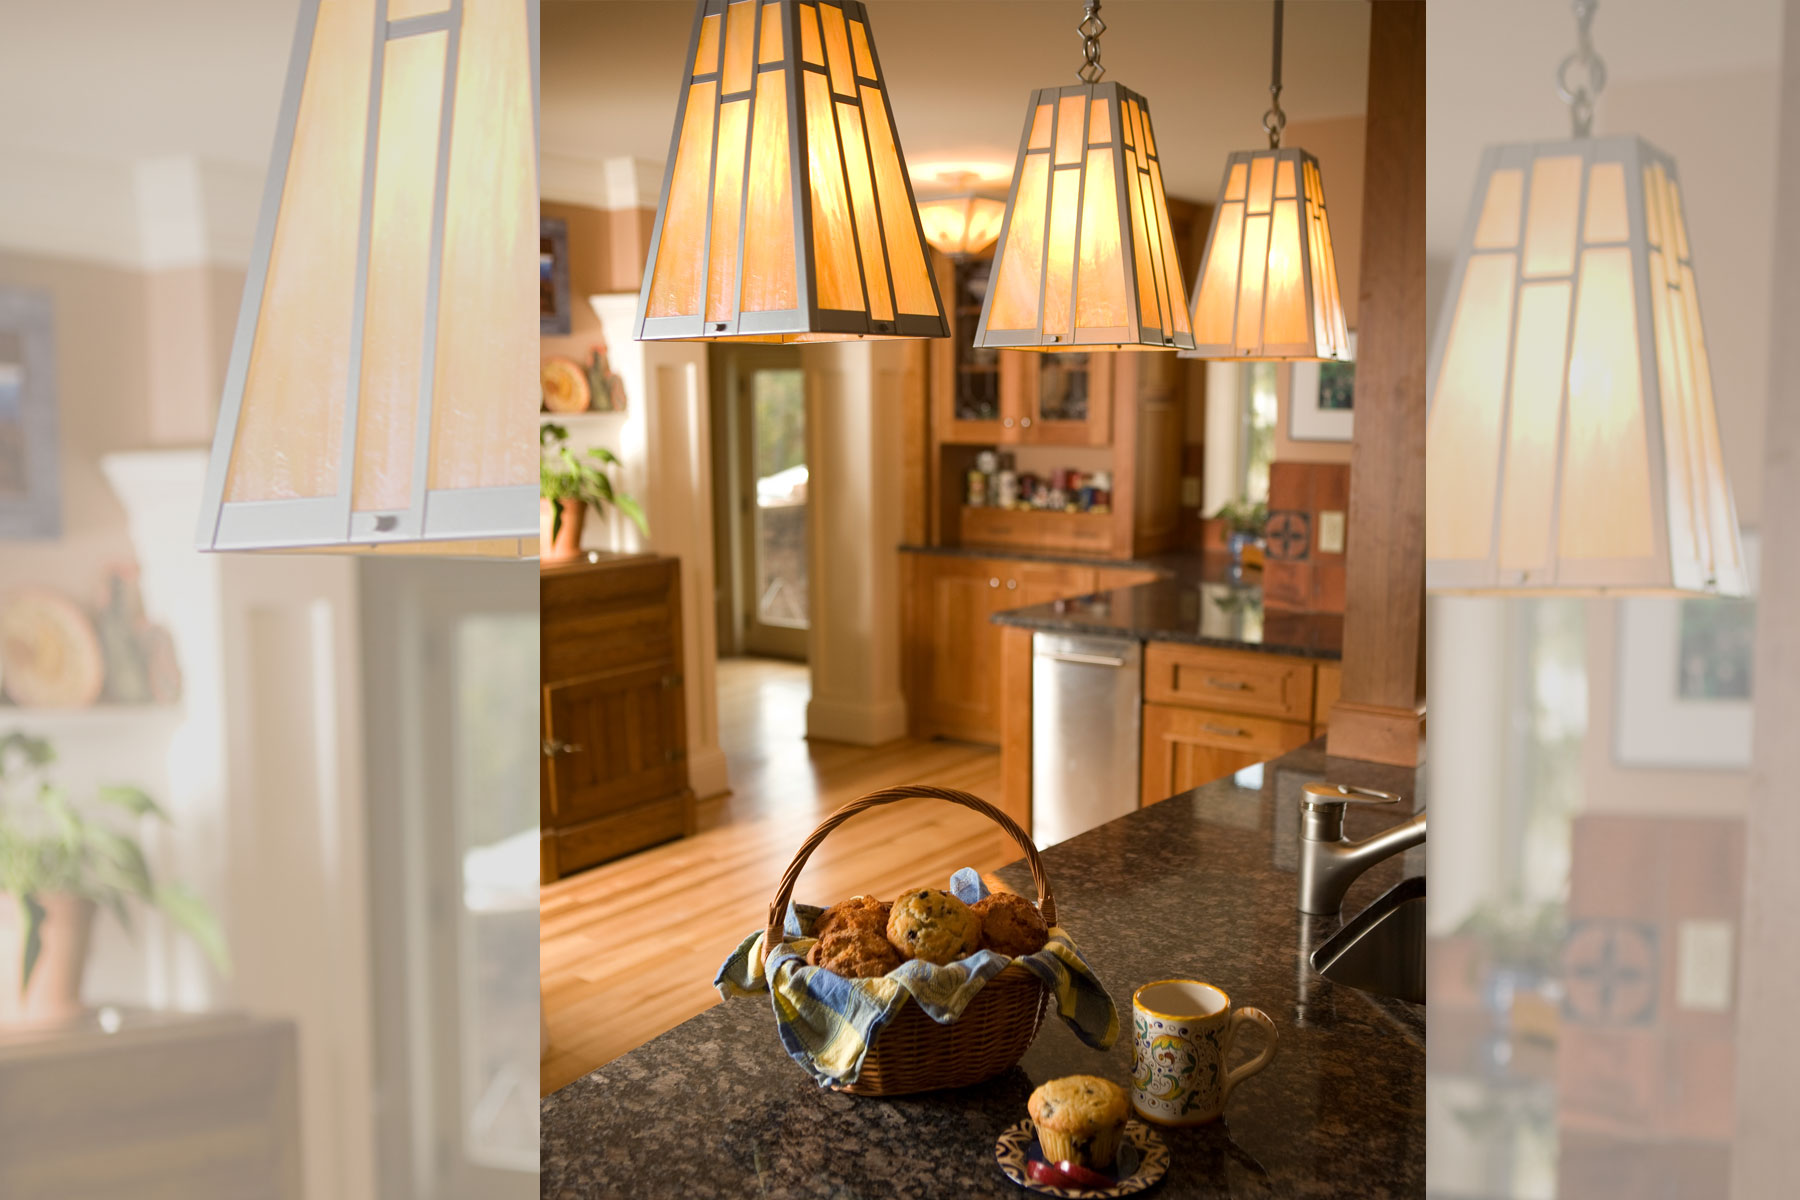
(614, 717)
(1186, 747)
(1238, 681)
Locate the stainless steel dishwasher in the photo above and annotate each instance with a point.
(1085, 715)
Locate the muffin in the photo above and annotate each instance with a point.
(857, 910)
(932, 925)
(855, 952)
(1079, 1119)
(1010, 924)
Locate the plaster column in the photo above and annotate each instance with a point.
(854, 394)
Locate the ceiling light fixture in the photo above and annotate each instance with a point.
(1268, 286)
(1571, 435)
(381, 388)
(786, 213)
(1086, 257)
(964, 221)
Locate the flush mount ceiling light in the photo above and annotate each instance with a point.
(786, 213)
(1571, 435)
(1268, 286)
(381, 388)
(965, 220)
(1086, 258)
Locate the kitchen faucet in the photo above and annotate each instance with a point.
(1329, 863)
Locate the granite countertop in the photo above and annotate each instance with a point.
(1172, 564)
(1199, 886)
(1203, 613)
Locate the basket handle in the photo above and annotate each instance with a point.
(785, 893)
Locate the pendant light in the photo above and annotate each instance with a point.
(1268, 286)
(786, 212)
(381, 391)
(1086, 257)
(964, 221)
(1571, 435)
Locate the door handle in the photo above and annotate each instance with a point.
(1091, 660)
(1223, 731)
(1228, 685)
(556, 746)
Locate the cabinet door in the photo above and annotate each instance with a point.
(960, 650)
(1068, 399)
(968, 383)
(1186, 747)
(614, 741)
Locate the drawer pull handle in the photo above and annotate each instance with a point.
(556, 746)
(1227, 685)
(1224, 731)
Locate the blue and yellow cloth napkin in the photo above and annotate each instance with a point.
(827, 1023)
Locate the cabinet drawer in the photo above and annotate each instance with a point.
(1038, 529)
(1229, 681)
(1186, 747)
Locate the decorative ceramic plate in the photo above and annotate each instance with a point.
(51, 655)
(565, 384)
(1142, 1160)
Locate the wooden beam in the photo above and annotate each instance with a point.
(1380, 716)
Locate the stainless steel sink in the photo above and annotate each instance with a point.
(1382, 948)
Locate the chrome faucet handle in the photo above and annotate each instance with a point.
(1322, 797)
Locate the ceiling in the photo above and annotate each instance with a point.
(959, 73)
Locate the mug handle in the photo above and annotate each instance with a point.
(1238, 1074)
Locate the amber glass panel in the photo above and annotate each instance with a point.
(1532, 428)
(1071, 129)
(1341, 334)
(868, 226)
(1675, 218)
(1685, 521)
(1314, 216)
(727, 204)
(1136, 141)
(1285, 310)
(770, 48)
(1498, 228)
(399, 10)
(484, 416)
(809, 35)
(1149, 134)
(1463, 426)
(1021, 268)
(837, 50)
(740, 27)
(913, 289)
(1550, 216)
(769, 267)
(680, 262)
(1606, 218)
(865, 58)
(1653, 218)
(1153, 221)
(706, 55)
(412, 90)
(1235, 182)
(1100, 124)
(1059, 278)
(1149, 305)
(834, 240)
(1606, 475)
(1170, 258)
(291, 424)
(1284, 178)
(1262, 176)
(1719, 509)
(1040, 128)
(1214, 307)
(1100, 282)
(1250, 284)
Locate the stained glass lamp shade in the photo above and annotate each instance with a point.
(786, 213)
(1570, 430)
(1086, 257)
(382, 387)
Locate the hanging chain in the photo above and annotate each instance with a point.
(1090, 29)
(1580, 98)
(1275, 120)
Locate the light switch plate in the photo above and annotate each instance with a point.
(1190, 491)
(1331, 531)
(1703, 965)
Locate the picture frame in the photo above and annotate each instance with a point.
(554, 315)
(1321, 399)
(1684, 681)
(30, 487)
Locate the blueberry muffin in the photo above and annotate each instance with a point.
(1010, 924)
(932, 925)
(861, 911)
(1079, 1118)
(855, 952)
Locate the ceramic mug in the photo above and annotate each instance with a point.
(1183, 1031)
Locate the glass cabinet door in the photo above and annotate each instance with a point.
(977, 396)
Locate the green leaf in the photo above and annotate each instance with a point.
(133, 800)
(604, 455)
(31, 920)
(130, 872)
(194, 918)
(556, 519)
(35, 751)
(550, 432)
(630, 508)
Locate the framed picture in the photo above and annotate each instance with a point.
(553, 276)
(1322, 399)
(30, 500)
(1685, 679)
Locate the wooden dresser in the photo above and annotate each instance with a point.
(614, 717)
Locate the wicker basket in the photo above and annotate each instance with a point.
(913, 1053)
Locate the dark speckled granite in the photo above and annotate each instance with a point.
(1199, 613)
(1201, 886)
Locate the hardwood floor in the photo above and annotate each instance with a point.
(629, 949)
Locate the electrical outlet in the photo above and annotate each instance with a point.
(1331, 531)
(1703, 965)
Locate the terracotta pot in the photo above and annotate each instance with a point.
(567, 545)
(54, 996)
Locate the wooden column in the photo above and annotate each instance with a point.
(1380, 716)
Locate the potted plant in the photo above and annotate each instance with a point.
(569, 484)
(1244, 524)
(59, 862)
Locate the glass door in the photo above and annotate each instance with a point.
(771, 428)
